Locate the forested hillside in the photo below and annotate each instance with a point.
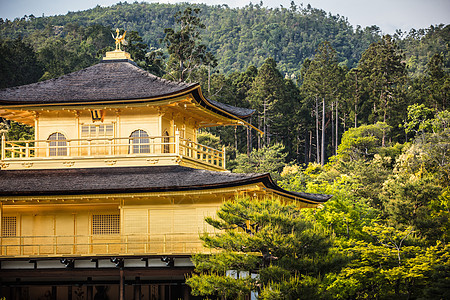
(238, 37)
(345, 111)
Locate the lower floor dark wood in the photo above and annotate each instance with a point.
(95, 284)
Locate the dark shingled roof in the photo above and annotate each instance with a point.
(110, 80)
(239, 111)
(130, 180)
(106, 81)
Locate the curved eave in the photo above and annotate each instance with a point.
(40, 104)
(207, 104)
(264, 179)
(314, 199)
(13, 111)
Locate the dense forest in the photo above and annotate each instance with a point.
(345, 111)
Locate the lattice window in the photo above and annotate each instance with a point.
(9, 226)
(105, 224)
(97, 131)
(166, 141)
(57, 144)
(140, 142)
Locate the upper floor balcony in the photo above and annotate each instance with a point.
(139, 149)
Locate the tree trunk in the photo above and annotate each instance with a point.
(181, 71)
(266, 134)
(235, 139)
(383, 141)
(310, 146)
(248, 140)
(259, 135)
(322, 160)
(332, 128)
(356, 100)
(317, 132)
(337, 129)
(209, 80)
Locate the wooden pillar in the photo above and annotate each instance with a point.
(89, 289)
(54, 293)
(16, 291)
(186, 292)
(137, 289)
(121, 286)
(3, 154)
(162, 289)
(12, 291)
(1, 221)
(89, 292)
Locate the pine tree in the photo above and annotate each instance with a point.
(384, 74)
(265, 246)
(186, 53)
(321, 82)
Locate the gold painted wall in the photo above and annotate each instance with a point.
(147, 226)
(124, 120)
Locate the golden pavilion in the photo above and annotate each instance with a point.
(109, 198)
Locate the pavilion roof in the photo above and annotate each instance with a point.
(108, 82)
(133, 180)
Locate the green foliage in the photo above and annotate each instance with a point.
(227, 287)
(322, 84)
(389, 215)
(361, 142)
(18, 63)
(384, 75)
(346, 213)
(209, 139)
(264, 237)
(269, 159)
(239, 37)
(421, 44)
(430, 151)
(408, 198)
(321, 76)
(418, 119)
(18, 132)
(273, 98)
(69, 48)
(186, 54)
(390, 267)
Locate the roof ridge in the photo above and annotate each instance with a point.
(153, 76)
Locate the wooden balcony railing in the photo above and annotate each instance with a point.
(98, 245)
(29, 150)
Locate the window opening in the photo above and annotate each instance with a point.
(105, 224)
(140, 143)
(166, 141)
(97, 131)
(9, 226)
(57, 144)
(98, 137)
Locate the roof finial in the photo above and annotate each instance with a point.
(118, 53)
(120, 39)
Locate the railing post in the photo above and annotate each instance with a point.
(223, 157)
(177, 142)
(27, 150)
(3, 146)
